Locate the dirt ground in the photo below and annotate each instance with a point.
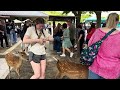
(2, 50)
(26, 70)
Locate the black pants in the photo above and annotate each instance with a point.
(1, 40)
(81, 46)
(6, 40)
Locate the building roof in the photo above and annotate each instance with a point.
(24, 13)
(4, 16)
(61, 18)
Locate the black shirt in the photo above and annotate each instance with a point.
(9, 28)
(2, 29)
(83, 35)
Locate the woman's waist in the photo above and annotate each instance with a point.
(38, 49)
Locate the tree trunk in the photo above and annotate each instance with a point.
(77, 23)
(78, 18)
(98, 15)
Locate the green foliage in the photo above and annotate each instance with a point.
(84, 16)
(54, 13)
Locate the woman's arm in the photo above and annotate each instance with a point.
(80, 37)
(50, 38)
(27, 40)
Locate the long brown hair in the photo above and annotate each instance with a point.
(39, 21)
(57, 29)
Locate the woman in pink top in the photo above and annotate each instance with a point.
(107, 63)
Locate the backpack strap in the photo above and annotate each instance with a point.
(108, 34)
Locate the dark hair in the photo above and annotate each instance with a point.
(13, 22)
(79, 26)
(9, 20)
(64, 25)
(39, 21)
(104, 25)
(93, 25)
(69, 21)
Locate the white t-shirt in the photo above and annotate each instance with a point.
(37, 48)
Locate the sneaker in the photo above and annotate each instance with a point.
(63, 55)
(71, 54)
(58, 52)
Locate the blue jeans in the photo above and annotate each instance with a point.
(13, 36)
(57, 43)
(92, 75)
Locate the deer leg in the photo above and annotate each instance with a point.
(17, 71)
(9, 73)
(61, 75)
(57, 74)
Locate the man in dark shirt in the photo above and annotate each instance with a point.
(22, 33)
(9, 28)
(3, 33)
(81, 37)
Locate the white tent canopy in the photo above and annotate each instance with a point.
(24, 13)
(17, 21)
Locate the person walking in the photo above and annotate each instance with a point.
(66, 44)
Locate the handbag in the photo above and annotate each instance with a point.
(88, 54)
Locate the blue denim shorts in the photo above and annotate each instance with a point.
(36, 58)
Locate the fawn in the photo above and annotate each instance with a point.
(15, 60)
(71, 70)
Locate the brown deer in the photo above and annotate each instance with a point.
(15, 61)
(71, 69)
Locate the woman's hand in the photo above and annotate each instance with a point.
(41, 41)
(47, 39)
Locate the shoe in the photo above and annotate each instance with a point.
(58, 52)
(71, 54)
(7, 46)
(63, 55)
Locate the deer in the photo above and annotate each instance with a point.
(71, 69)
(14, 60)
